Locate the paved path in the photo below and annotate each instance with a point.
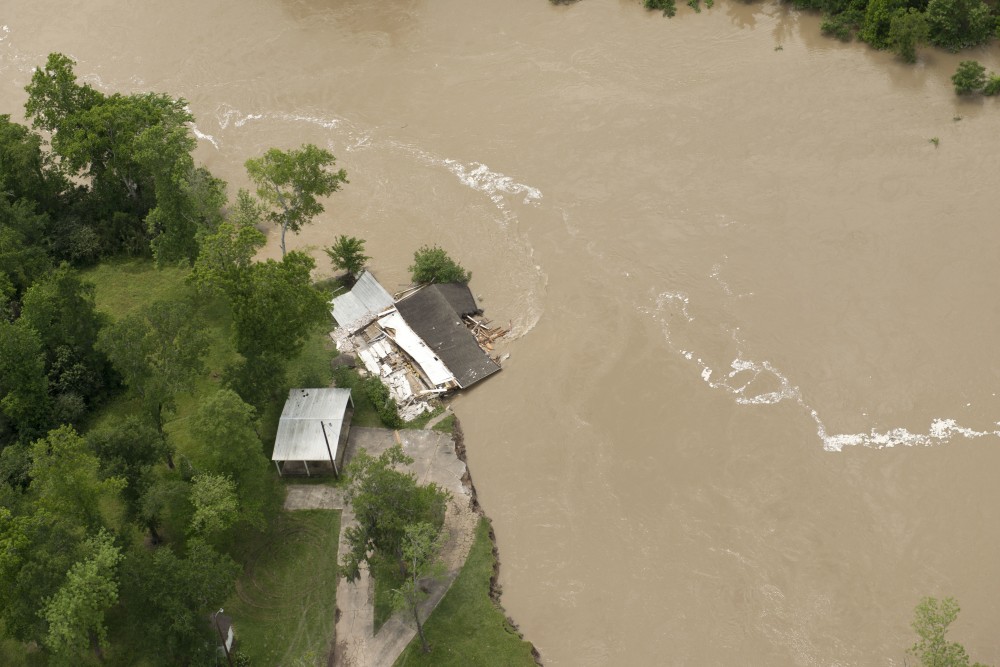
(434, 460)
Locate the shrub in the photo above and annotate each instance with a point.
(838, 26)
(348, 254)
(433, 265)
(669, 7)
(992, 86)
(969, 77)
(378, 394)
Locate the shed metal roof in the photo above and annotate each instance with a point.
(310, 421)
(430, 314)
(362, 304)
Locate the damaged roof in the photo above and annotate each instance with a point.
(435, 314)
(362, 304)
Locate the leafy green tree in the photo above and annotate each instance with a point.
(348, 254)
(62, 309)
(175, 596)
(289, 182)
(970, 77)
(433, 265)
(385, 501)
(878, 21)
(75, 614)
(216, 507)
(66, 481)
(24, 387)
(959, 24)
(227, 254)
(24, 172)
(134, 153)
(159, 352)
(669, 7)
(931, 620)
(907, 30)
(130, 449)
(421, 546)
(224, 429)
(992, 86)
(23, 255)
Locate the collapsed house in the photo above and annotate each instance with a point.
(426, 343)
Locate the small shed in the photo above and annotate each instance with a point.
(313, 428)
(359, 307)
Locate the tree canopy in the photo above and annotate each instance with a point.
(290, 182)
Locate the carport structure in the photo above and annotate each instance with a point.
(313, 428)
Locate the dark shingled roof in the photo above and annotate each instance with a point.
(434, 313)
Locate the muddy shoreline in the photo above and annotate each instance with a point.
(496, 590)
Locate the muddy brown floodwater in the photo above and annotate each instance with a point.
(750, 412)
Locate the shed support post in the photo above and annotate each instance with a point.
(278, 467)
(306, 464)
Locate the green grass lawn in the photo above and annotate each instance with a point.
(467, 628)
(284, 607)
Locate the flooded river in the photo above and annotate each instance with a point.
(750, 412)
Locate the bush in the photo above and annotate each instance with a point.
(969, 77)
(838, 26)
(433, 265)
(348, 254)
(907, 29)
(959, 24)
(378, 394)
(992, 86)
(669, 7)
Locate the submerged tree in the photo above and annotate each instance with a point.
(931, 620)
(348, 254)
(289, 182)
(433, 265)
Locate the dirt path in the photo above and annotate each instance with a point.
(434, 460)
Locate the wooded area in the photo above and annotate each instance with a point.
(133, 436)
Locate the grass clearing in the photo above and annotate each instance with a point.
(285, 602)
(467, 628)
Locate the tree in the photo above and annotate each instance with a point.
(931, 619)
(669, 7)
(289, 182)
(62, 309)
(24, 388)
(66, 482)
(878, 18)
(23, 255)
(159, 352)
(433, 265)
(75, 614)
(24, 172)
(959, 24)
(134, 152)
(130, 449)
(348, 254)
(175, 596)
(228, 445)
(969, 77)
(385, 501)
(421, 548)
(215, 505)
(907, 29)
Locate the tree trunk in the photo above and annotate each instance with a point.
(158, 416)
(96, 646)
(155, 536)
(420, 628)
(284, 228)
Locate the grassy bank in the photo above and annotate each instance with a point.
(467, 628)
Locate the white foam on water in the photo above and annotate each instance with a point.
(203, 136)
(744, 377)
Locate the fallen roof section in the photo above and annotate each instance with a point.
(410, 342)
(434, 315)
(359, 307)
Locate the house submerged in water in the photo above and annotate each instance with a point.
(428, 342)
